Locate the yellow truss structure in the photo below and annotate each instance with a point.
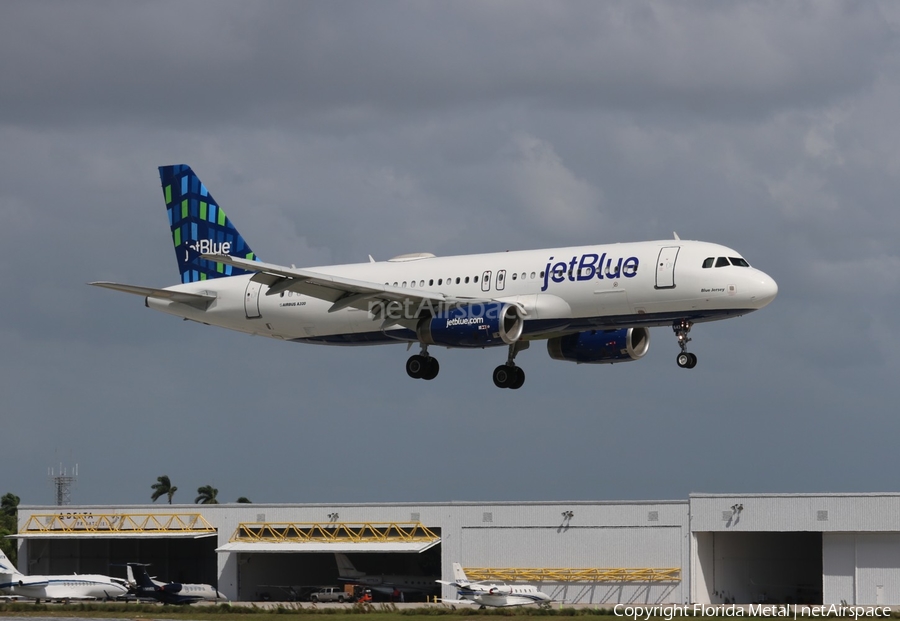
(632, 574)
(333, 532)
(121, 523)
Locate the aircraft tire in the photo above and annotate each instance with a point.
(504, 376)
(416, 366)
(693, 361)
(684, 360)
(520, 379)
(432, 368)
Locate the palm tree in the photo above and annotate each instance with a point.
(163, 487)
(244, 499)
(9, 504)
(206, 495)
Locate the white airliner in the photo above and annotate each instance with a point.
(496, 594)
(592, 304)
(64, 587)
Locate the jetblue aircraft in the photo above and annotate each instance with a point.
(495, 594)
(592, 304)
(61, 587)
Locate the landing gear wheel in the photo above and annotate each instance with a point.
(507, 376)
(416, 366)
(685, 359)
(520, 379)
(504, 376)
(432, 368)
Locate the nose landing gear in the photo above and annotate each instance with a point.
(422, 366)
(685, 359)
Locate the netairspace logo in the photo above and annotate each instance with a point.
(645, 613)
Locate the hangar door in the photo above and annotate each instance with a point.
(861, 568)
(758, 567)
(287, 561)
(651, 557)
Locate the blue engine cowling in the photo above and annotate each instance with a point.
(601, 346)
(472, 325)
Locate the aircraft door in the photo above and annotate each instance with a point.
(501, 280)
(251, 300)
(665, 267)
(486, 281)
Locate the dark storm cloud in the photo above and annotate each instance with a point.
(331, 130)
(347, 63)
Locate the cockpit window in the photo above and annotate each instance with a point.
(722, 262)
(739, 262)
(709, 262)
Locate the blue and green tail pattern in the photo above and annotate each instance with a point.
(199, 226)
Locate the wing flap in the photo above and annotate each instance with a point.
(197, 300)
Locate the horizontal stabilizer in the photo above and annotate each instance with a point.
(196, 300)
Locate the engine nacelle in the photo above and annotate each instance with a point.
(473, 325)
(500, 589)
(601, 346)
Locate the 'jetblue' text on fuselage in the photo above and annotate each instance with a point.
(589, 266)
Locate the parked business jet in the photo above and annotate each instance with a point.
(493, 593)
(64, 587)
(385, 584)
(592, 304)
(168, 592)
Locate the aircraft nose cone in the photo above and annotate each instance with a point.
(765, 290)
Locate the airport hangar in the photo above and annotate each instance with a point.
(710, 548)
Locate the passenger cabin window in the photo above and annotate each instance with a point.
(722, 262)
(738, 262)
(709, 262)
(467, 280)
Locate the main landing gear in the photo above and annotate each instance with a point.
(422, 366)
(685, 359)
(509, 375)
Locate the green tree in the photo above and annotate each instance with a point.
(244, 499)
(9, 518)
(206, 495)
(163, 487)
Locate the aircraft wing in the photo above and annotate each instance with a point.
(342, 292)
(196, 300)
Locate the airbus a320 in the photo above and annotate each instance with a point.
(591, 304)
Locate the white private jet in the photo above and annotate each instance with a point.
(592, 304)
(494, 594)
(64, 587)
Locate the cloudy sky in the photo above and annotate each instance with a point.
(332, 130)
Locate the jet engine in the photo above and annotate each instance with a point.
(500, 589)
(473, 325)
(601, 346)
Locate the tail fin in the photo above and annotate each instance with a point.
(140, 576)
(6, 566)
(199, 226)
(459, 576)
(345, 567)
